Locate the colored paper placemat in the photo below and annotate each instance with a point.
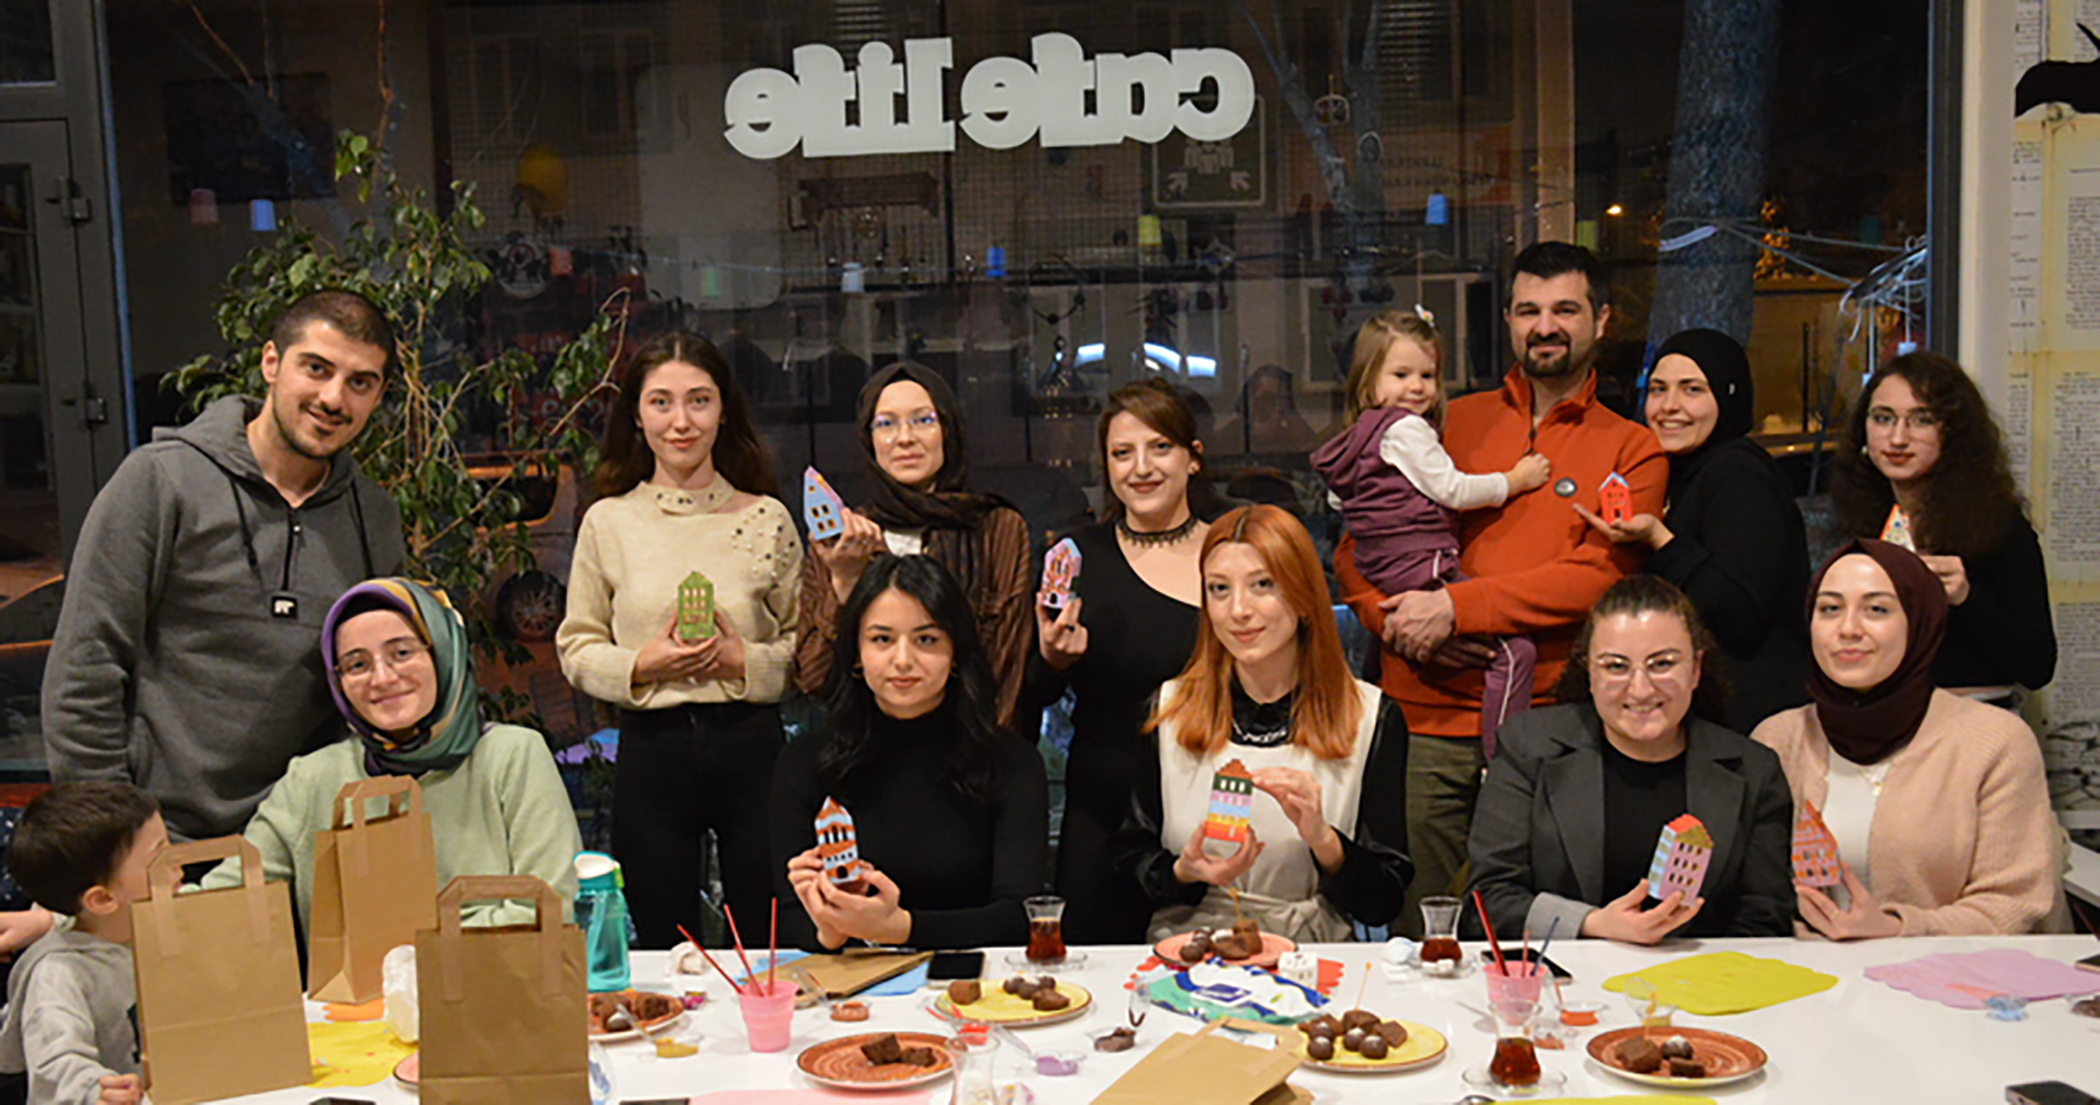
(1959, 979)
(353, 1054)
(1719, 983)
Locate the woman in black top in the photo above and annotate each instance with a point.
(949, 810)
(1578, 794)
(1138, 586)
(1923, 440)
(1732, 538)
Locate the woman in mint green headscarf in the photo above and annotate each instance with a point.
(402, 675)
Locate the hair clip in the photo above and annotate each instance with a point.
(1422, 313)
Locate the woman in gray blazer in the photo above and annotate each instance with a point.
(1578, 794)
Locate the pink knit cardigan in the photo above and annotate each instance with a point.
(1963, 841)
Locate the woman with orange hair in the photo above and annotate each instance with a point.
(1269, 688)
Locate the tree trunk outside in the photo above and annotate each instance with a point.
(1717, 163)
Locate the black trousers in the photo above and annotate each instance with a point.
(683, 771)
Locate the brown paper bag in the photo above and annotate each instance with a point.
(219, 1010)
(375, 887)
(505, 1013)
(1202, 1069)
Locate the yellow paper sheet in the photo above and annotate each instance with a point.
(1726, 982)
(355, 1054)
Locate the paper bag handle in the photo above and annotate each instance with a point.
(484, 888)
(160, 888)
(350, 801)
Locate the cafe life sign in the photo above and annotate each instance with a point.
(1005, 101)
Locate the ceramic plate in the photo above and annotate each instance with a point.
(1727, 1058)
(409, 1071)
(840, 1065)
(664, 1021)
(1424, 1045)
(999, 1007)
(1272, 949)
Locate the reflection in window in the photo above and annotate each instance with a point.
(25, 42)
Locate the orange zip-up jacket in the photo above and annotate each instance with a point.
(1534, 566)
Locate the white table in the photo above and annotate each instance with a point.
(1859, 1041)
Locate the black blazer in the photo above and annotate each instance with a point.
(1537, 843)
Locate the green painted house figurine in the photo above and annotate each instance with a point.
(696, 608)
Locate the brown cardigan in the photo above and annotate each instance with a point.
(1004, 615)
(1963, 841)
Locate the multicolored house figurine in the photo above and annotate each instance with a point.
(696, 608)
(837, 846)
(1060, 571)
(822, 509)
(1815, 850)
(1681, 856)
(1615, 499)
(1896, 531)
(1231, 803)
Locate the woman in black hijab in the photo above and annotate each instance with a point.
(1731, 537)
(916, 448)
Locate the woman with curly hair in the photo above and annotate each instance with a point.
(1923, 465)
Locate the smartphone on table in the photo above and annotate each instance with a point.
(949, 966)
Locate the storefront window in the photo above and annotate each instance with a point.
(1391, 153)
(26, 56)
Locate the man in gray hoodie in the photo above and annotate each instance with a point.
(187, 658)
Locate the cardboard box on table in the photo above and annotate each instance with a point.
(219, 1008)
(375, 887)
(505, 1011)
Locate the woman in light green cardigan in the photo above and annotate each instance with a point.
(403, 677)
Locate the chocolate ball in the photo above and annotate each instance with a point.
(1353, 1039)
(1320, 1048)
(1374, 1047)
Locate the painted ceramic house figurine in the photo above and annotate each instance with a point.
(696, 608)
(821, 506)
(1681, 856)
(1815, 850)
(1896, 531)
(837, 846)
(1615, 499)
(1231, 803)
(1060, 571)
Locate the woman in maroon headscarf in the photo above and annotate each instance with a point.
(1937, 803)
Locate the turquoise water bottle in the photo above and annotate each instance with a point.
(601, 912)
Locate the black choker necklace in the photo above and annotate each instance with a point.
(1162, 537)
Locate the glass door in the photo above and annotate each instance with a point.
(43, 427)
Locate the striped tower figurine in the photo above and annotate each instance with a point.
(837, 846)
(1231, 803)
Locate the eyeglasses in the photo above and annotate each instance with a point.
(1918, 419)
(1617, 669)
(885, 428)
(396, 654)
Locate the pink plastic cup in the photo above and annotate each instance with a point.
(769, 1013)
(1521, 983)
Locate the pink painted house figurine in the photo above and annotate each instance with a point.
(1060, 571)
(821, 506)
(1815, 850)
(1615, 499)
(1681, 856)
(1231, 803)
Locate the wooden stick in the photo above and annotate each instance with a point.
(739, 941)
(1361, 983)
(711, 962)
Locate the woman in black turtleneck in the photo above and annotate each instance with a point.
(1732, 538)
(950, 812)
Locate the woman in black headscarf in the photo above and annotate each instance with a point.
(916, 448)
(1935, 804)
(1731, 537)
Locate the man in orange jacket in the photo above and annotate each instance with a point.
(1533, 565)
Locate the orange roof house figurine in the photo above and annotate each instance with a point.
(696, 608)
(1231, 803)
(1896, 531)
(1060, 571)
(837, 846)
(1681, 856)
(1615, 499)
(1815, 850)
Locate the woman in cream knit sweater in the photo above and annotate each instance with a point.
(1938, 803)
